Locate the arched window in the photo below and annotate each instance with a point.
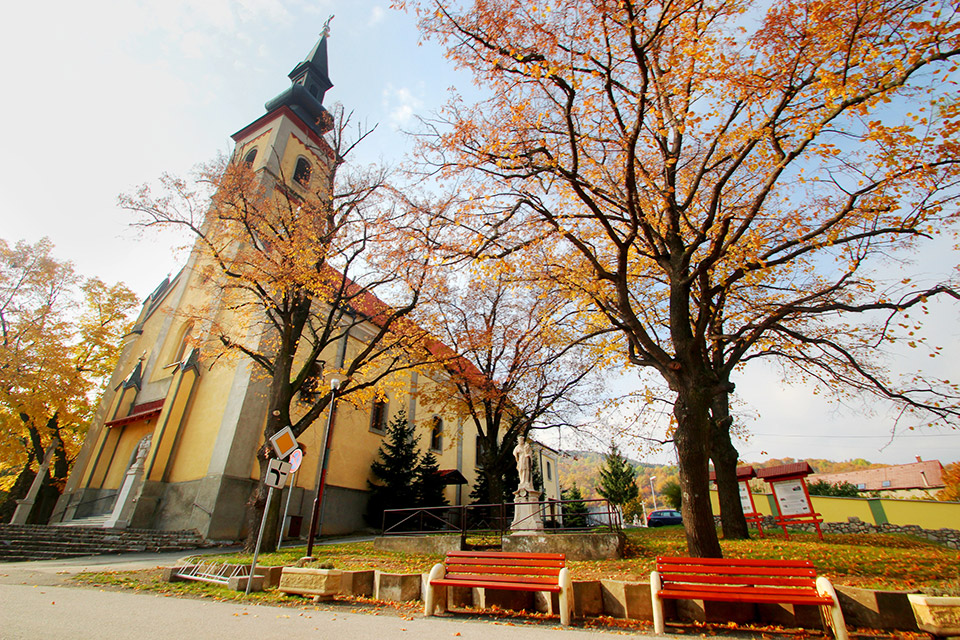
(251, 156)
(436, 434)
(302, 173)
(378, 416)
(184, 347)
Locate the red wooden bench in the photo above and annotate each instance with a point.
(500, 570)
(755, 581)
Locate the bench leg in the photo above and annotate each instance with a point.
(655, 602)
(832, 613)
(566, 597)
(430, 600)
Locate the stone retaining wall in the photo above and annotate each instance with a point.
(947, 537)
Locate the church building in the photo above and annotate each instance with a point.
(172, 445)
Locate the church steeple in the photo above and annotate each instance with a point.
(310, 82)
(312, 72)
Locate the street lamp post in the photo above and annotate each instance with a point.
(322, 468)
(653, 490)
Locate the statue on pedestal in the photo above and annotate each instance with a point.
(526, 513)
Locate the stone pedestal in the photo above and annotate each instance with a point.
(526, 512)
(22, 513)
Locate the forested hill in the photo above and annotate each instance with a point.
(581, 467)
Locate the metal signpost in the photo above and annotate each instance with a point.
(277, 472)
(296, 457)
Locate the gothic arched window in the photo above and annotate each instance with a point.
(436, 434)
(251, 156)
(302, 173)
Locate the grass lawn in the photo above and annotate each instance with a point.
(877, 561)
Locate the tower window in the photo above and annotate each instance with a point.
(313, 90)
(302, 173)
(251, 156)
(378, 417)
(436, 434)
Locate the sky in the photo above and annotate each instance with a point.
(102, 96)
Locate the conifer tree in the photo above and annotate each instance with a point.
(617, 478)
(429, 484)
(396, 468)
(574, 512)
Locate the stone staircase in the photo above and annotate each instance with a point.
(43, 542)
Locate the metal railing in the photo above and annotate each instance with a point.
(557, 516)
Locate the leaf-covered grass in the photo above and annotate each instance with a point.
(878, 561)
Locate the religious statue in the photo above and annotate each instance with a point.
(524, 455)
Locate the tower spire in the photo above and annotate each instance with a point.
(310, 82)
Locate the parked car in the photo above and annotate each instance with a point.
(664, 517)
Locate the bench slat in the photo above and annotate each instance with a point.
(503, 555)
(733, 562)
(520, 571)
(506, 586)
(496, 562)
(696, 579)
(732, 596)
(493, 578)
(691, 570)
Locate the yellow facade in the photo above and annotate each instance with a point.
(926, 514)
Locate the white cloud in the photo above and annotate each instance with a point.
(377, 14)
(401, 105)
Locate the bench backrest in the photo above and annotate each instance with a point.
(494, 566)
(722, 571)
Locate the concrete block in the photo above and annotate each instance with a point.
(710, 611)
(504, 599)
(239, 583)
(587, 599)
(434, 545)
(305, 581)
(546, 602)
(169, 573)
(459, 597)
(622, 599)
(399, 587)
(357, 583)
(876, 609)
(576, 546)
(271, 576)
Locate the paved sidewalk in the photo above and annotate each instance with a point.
(38, 601)
(65, 613)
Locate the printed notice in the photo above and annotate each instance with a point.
(791, 497)
(745, 501)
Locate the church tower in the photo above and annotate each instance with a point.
(172, 443)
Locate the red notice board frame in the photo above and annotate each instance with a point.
(752, 516)
(791, 478)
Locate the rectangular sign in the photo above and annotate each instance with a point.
(277, 472)
(791, 497)
(745, 502)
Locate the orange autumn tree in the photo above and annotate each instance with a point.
(520, 358)
(292, 274)
(60, 337)
(723, 181)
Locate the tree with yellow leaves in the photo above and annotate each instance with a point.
(721, 180)
(60, 336)
(518, 358)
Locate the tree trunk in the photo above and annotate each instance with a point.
(725, 456)
(255, 506)
(692, 439)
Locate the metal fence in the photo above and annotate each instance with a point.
(558, 516)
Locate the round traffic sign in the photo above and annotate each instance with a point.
(296, 457)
